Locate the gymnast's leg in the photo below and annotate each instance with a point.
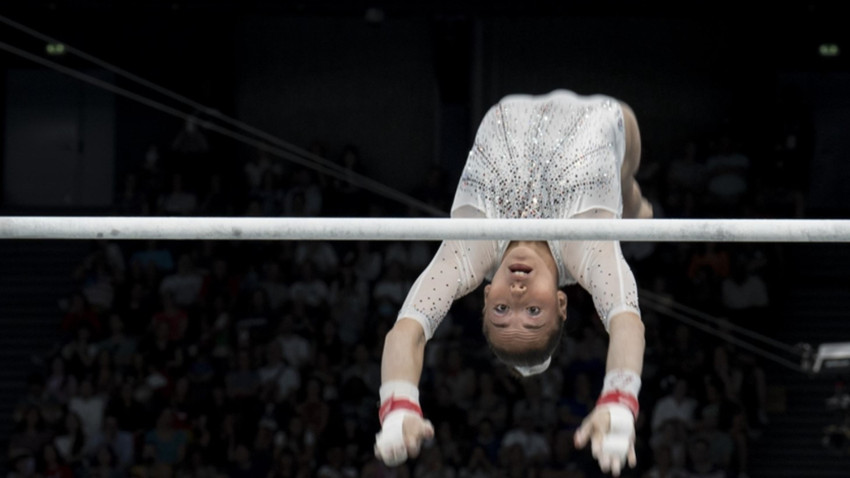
(634, 204)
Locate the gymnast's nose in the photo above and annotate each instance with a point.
(517, 288)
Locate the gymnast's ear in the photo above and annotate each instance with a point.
(486, 290)
(562, 305)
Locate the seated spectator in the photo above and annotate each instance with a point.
(104, 465)
(88, 405)
(432, 465)
(390, 290)
(727, 173)
(119, 443)
(158, 352)
(243, 382)
(744, 293)
(534, 405)
(51, 464)
(663, 466)
(309, 288)
(578, 404)
(295, 348)
(272, 283)
(489, 405)
(304, 198)
(220, 283)
(700, 463)
(243, 465)
(71, 442)
(153, 254)
(313, 408)
(30, 435)
(277, 374)
(367, 263)
(79, 354)
(129, 414)
(269, 195)
(321, 254)
(216, 202)
(118, 344)
(60, 385)
(533, 444)
(79, 313)
(564, 463)
(349, 303)
(335, 465)
(363, 368)
(676, 405)
(164, 443)
(178, 201)
(184, 286)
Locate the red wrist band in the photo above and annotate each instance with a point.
(392, 404)
(625, 399)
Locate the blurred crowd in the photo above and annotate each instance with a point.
(262, 359)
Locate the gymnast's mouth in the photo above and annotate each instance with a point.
(520, 270)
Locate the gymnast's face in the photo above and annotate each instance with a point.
(522, 305)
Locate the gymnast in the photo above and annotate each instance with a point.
(559, 155)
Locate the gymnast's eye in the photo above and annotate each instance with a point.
(534, 310)
(501, 308)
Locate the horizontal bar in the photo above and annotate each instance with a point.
(424, 229)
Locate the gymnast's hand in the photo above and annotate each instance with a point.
(401, 437)
(611, 431)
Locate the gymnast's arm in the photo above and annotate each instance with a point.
(457, 268)
(600, 268)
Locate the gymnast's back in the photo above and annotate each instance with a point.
(549, 156)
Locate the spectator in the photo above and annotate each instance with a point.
(701, 464)
(51, 464)
(677, 406)
(119, 444)
(242, 465)
(282, 378)
(295, 348)
(433, 465)
(335, 465)
(277, 293)
(390, 290)
(128, 412)
(664, 467)
(184, 286)
(152, 254)
(744, 293)
(79, 354)
(80, 314)
(243, 382)
(30, 435)
(531, 442)
(89, 407)
(349, 303)
(178, 202)
(164, 444)
(60, 385)
(309, 288)
(104, 465)
(120, 346)
(313, 408)
(71, 443)
(321, 254)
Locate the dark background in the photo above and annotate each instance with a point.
(406, 84)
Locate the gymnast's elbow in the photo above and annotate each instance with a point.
(628, 322)
(406, 333)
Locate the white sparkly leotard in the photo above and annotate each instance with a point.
(550, 156)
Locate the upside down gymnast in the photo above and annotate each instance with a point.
(559, 155)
